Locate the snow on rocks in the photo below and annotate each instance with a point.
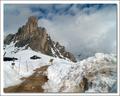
(99, 71)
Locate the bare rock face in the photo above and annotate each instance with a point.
(9, 38)
(32, 24)
(30, 35)
(84, 84)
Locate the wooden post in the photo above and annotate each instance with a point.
(19, 65)
(27, 66)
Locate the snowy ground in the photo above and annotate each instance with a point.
(63, 75)
(24, 66)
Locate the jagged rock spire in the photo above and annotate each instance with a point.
(32, 24)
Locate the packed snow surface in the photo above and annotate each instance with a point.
(64, 75)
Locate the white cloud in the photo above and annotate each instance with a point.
(15, 16)
(81, 33)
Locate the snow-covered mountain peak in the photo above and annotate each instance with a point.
(32, 36)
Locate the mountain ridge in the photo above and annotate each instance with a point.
(37, 38)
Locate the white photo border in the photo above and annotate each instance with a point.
(60, 2)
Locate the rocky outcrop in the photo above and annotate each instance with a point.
(62, 52)
(9, 39)
(30, 35)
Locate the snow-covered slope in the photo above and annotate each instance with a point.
(100, 72)
(64, 76)
(24, 66)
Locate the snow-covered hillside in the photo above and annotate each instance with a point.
(24, 66)
(64, 76)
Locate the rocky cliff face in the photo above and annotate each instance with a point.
(30, 35)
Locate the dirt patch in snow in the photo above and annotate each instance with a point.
(30, 84)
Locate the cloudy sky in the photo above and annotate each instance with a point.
(82, 28)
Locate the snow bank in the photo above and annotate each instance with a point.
(99, 70)
(11, 76)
